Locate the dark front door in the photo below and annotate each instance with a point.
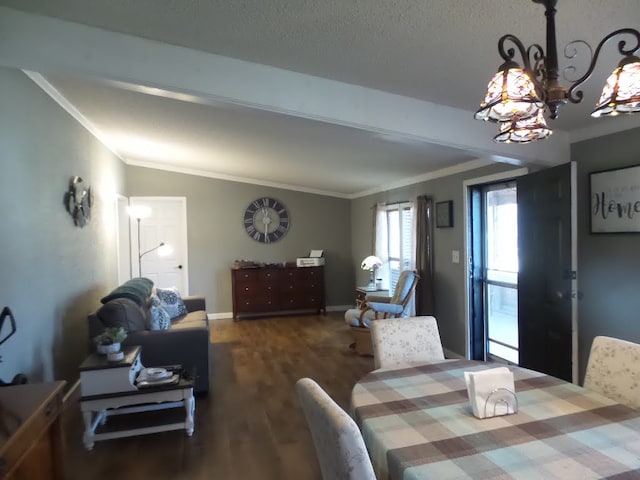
(547, 271)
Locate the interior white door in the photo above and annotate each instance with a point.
(167, 223)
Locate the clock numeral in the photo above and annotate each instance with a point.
(267, 238)
(256, 204)
(251, 230)
(248, 220)
(281, 228)
(265, 201)
(256, 236)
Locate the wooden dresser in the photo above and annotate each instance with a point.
(31, 437)
(271, 290)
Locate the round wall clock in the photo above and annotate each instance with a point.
(266, 220)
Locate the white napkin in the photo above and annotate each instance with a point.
(486, 392)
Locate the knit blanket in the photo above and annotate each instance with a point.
(137, 289)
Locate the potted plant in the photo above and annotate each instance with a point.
(110, 339)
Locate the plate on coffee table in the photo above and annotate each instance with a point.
(152, 374)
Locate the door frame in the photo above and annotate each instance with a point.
(123, 235)
(494, 178)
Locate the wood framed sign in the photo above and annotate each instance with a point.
(615, 200)
(444, 214)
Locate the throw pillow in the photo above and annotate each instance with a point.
(171, 301)
(123, 312)
(159, 319)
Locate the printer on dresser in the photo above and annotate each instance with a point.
(272, 289)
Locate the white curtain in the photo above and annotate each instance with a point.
(381, 242)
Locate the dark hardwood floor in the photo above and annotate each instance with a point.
(250, 426)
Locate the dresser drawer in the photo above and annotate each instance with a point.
(257, 304)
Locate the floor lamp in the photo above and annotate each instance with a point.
(139, 212)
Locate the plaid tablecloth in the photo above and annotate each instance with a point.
(417, 423)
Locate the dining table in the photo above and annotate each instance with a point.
(417, 423)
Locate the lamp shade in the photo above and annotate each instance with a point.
(524, 131)
(621, 92)
(371, 263)
(510, 93)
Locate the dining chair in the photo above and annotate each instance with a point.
(406, 340)
(613, 370)
(339, 446)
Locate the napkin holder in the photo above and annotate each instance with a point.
(491, 392)
(500, 397)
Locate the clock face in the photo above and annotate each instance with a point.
(266, 220)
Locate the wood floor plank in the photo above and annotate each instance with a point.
(250, 425)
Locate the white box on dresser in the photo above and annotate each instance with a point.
(99, 376)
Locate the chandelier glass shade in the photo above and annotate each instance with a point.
(525, 130)
(519, 97)
(621, 92)
(510, 94)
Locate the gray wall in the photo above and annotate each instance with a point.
(53, 273)
(608, 264)
(216, 235)
(449, 278)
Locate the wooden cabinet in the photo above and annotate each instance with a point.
(277, 290)
(31, 437)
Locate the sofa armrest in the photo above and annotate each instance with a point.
(194, 303)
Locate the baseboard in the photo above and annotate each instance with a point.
(226, 315)
(339, 308)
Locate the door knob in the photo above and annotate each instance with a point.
(180, 266)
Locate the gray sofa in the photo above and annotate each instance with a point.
(186, 342)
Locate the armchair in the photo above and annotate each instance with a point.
(377, 307)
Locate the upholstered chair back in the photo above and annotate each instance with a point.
(613, 370)
(406, 283)
(339, 446)
(399, 341)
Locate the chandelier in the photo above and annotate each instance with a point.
(519, 97)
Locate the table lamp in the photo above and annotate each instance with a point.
(371, 264)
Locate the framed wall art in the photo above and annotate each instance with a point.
(615, 200)
(444, 214)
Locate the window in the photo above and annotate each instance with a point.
(400, 250)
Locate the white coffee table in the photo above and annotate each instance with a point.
(97, 408)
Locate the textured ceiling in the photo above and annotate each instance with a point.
(439, 51)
